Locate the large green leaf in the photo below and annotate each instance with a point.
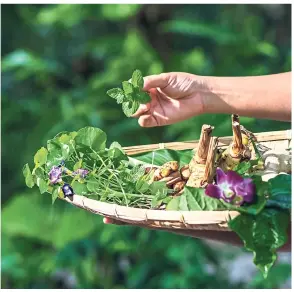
(263, 235)
(280, 192)
(159, 157)
(194, 199)
(92, 137)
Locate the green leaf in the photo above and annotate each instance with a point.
(137, 79)
(142, 97)
(130, 107)
(116, 152)
(55, 193)
(39, 173)
(78, 164)
(115, 145)
(159, 157)
(128, 88)
(280, 192)
(137, 172)
(142, 186)
(42, 184)
(40, 157)
(158, 188)
(116, 93)
(28, 176)
(91, 137)
(263, 235)
(244, 166)
(79, 188)
(92, 184)
(194, 199)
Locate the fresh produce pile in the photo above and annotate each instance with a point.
(240, 177)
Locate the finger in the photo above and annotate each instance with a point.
(147, 121)
(141, 110)
(154, 81)
(107, 220)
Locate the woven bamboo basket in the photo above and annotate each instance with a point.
(162, 219)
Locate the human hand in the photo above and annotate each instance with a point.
(174, 97)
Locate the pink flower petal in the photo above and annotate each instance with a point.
(213, 191)
(221, 177)
(233, 178)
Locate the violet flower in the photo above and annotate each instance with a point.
(81, 172)
(55, 174)
(231, 187)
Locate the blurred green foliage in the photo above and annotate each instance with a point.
(58, 61)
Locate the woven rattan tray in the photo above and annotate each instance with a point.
(200, 220)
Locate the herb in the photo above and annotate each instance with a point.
(79, 163)
(263, 235)
(131, 94)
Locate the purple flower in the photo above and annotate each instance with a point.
(231, 187)
(55, 174)
(81, 172)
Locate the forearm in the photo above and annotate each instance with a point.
(225, 237)
(266, 97)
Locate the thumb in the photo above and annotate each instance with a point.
(153, 81)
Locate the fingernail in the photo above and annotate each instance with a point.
(143, 107)
(105, 221)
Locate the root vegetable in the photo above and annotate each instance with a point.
(173, 181)
(179, 186)
(157, 175)
(173, 175)
(177, 194)
(164, 172)
(149, 169)
(185, 172)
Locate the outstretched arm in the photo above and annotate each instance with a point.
(178, 96)
(259, 96)
(220, 236)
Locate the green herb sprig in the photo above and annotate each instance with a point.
(130, 96)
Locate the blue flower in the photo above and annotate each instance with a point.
(81, 172)
(55, 174)
(232, 188)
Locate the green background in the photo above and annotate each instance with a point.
(58, 61)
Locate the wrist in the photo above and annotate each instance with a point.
(215, 95)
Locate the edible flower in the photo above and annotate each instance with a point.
(55, 174)
(81, 172)
(232, 188)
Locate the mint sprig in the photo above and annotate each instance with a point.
(131, 94)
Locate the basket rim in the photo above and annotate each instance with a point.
(145, 215)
